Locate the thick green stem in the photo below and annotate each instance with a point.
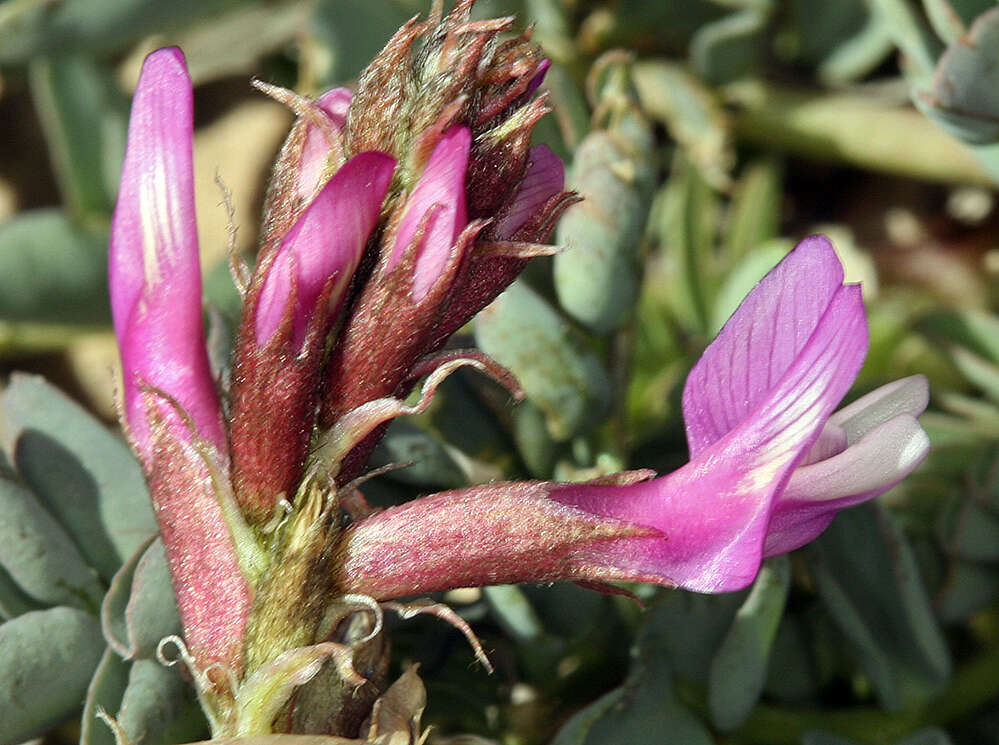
(852, 129)
(974, 685)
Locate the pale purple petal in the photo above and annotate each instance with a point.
(155, 286)
(275, 293)
(154, 276)
(539, 76)
(815, 493)
(327, 240)
(543, 179)
(336, 103)
(759, 341)
(906, 396)
(832, 441)
(715, 511)
(441, 187)
(316, 148)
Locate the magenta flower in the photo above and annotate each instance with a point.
(292, 303)
(171, 407)
(544, 180)
(312, 256)
(317, 148)
(471, 202)
(154, 274)
(769, 466)
(435, 213)
(530, 216)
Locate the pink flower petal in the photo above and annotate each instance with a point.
(832, 441)
(327, 240)
(760, 341)
(543, 179)
(336, 103)
(154, 276)
(155, 285)
(906, 396)
(539, 76)
(715, 511)
(441, 187)
(815, 493)
(316, 148)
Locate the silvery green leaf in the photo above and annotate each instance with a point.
(818, 737)
(656, 25)
(859, 55)
(552, 27)
(13, 601)
(984, 477)
(597, 275)
(868, 579)
(93, 25)
(104, 694)
(572, 122)
(52, 270)
(632, 714)
(816, 28)
(928, 736)
(84, 117)
(970, 530)
(964, 95)
(115, 604)
(140, 608)
(429, 463)
(791, 676)
(514, 612)
(659, 365)
(219, 342)
(688, 629)
(590, 610)
(951, 18)
(464, 416)
(836, 127)
(534, 440)
(39, 556)
(152, 612)
(739, 668)
(982, 373)
(730, 48)
(910, 35)
(576, 731)
(354, 32)
(47, 658)
(967, 588)
(614, 169)
(987, 156)
(686, 220)
(690, 112)
(754, 213)
(233, 42)
(563, 378)
(87, 477)
(982, 415)
(158, 706)
(222, 295)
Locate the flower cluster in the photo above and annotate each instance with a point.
(396, 212)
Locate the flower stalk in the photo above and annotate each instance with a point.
(395, 213)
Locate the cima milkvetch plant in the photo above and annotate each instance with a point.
(396, 212)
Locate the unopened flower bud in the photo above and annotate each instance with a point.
(293, 301)
(454, 103)
(171, 407)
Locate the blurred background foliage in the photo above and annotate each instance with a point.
(707, 136)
